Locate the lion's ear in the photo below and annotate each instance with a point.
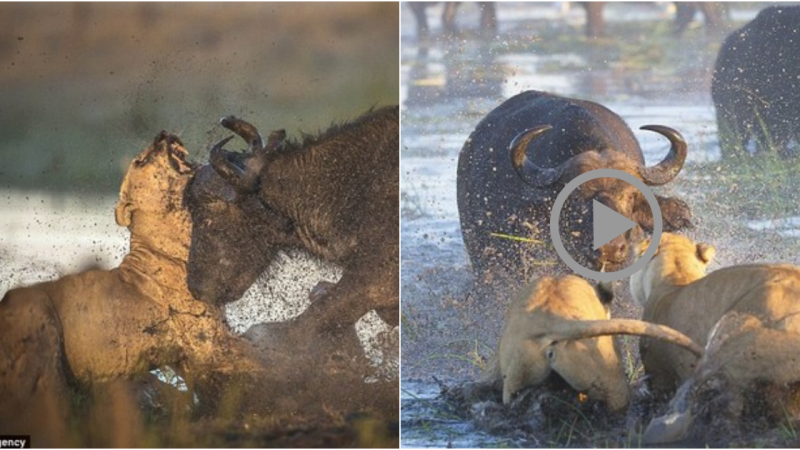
(123, 213)
(705, 252)
(605, 292)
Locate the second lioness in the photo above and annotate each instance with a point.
(747, 317)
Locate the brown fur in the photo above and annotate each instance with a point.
(101, 325)
(522, 362)
(747, 316)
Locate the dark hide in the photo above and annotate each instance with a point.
(334, 195)
(512, 193)
(755, 87)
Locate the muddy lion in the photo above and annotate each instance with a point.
(102, 325)
(748, 319)
(562, 326)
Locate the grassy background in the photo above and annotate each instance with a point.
(84, 87)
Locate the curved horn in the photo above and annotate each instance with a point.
(667, 169)
(529, 172)
(230, 172)
(244, 130)
(582, 329)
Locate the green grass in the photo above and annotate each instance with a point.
(761, 185)
(787, 426)
(473, 356)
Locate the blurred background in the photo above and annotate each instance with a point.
(84, 87)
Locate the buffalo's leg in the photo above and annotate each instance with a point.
(418, 9)
(488, 19)
(371, 285)
(449, 17)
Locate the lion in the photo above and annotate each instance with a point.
(102, 325)
(563, 326)
(747, 317)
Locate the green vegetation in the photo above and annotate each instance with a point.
(759, 186)
(86, 87)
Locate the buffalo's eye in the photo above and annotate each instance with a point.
(550, 353)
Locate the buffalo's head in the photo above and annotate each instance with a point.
(576, 221)
(234, 238)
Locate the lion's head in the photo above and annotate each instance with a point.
(151, 198)
(679, 260)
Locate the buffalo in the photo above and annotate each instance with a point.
(505, 196)
(755, 85)
(334, 194)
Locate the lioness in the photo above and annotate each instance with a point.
(563, 326)
(747, 317)
(104, 324)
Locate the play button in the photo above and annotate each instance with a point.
(608, 224)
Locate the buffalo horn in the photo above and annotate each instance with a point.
(245, 130)
(230, 172)
(529, 172)
(667, 169)
(592, 328)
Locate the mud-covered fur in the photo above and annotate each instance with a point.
(747, 317)
(102, 325)
(562, 326)
(521, 362)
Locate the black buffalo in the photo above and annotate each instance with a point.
(756, 83)
(334, 194)
(524, 152)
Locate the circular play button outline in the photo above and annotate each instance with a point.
(555, 233)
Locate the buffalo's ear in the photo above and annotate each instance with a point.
(675, 213)
(705, 252)
(642, 213)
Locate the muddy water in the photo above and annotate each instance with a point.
(448, 85)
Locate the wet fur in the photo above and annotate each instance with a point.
(102, 325)
(748, 318)
(591, 365)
